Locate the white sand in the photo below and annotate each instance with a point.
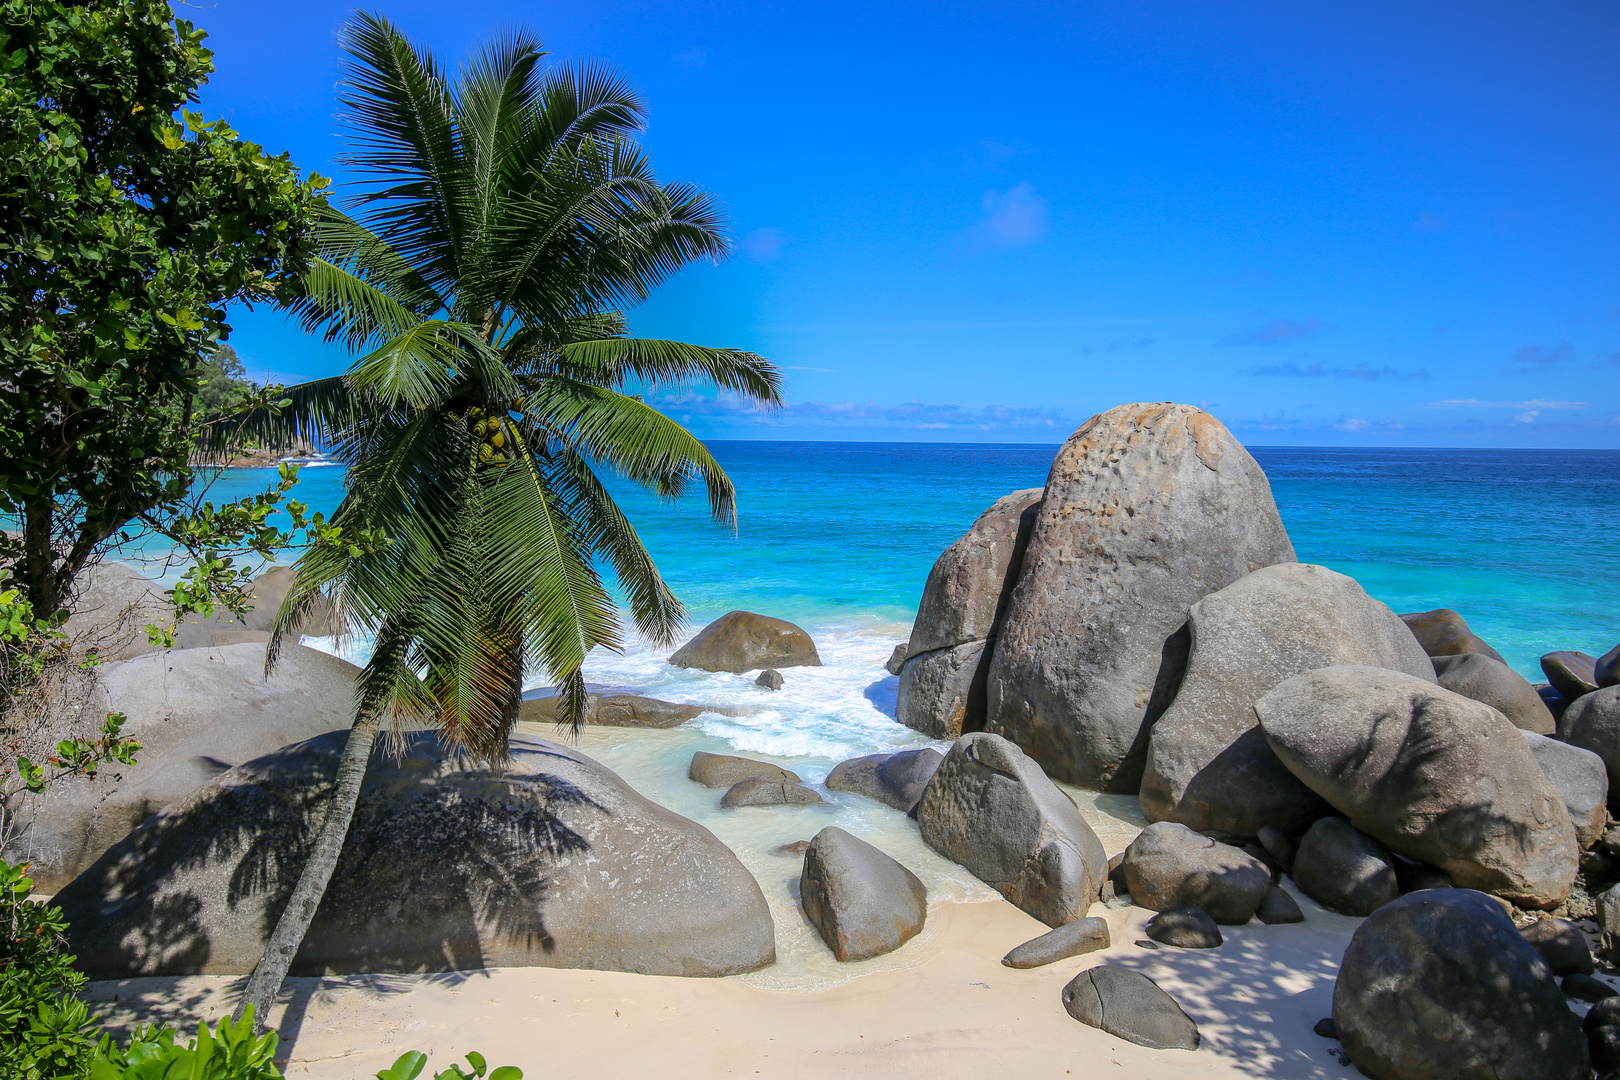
(944, 1007)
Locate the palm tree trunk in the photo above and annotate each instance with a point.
(265, 982)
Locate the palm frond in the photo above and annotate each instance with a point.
(672, 365)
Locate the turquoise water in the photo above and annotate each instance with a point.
(840, 536)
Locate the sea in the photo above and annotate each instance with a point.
(839, 538)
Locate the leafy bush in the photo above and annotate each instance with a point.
(44, 1028)
(409, 1066)
(229, 1052)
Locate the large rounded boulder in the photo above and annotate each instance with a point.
(992, 809)
(1440, 984)
(1581, 779)
(1170, 866)
(1148, 509)
(111, 609)
(267, 593)
(1592, 722)
(1432, 775)
(862, 902)
(548, 861)
(1207, 766)
(942, 678)
(196, 713)
(740, 641)
(1443, 632)
(1477, 676)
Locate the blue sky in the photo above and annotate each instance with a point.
(1335, 223)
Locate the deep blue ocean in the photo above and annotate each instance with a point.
(1524, 543)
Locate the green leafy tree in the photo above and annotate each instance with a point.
(225, 384)
(127, 223)
(507, 215)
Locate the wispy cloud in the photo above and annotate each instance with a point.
(1536, 404)
(1532, 359)
(1015, 217)
(1358, 425)
(1278, 332)
(916, 414)
(1323, 371)
(797, 367)
(762, 245)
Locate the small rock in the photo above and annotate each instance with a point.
(862, 902)
(1477, 676)
(1605, 1013)
(1324, 1027)
(1282, 846)
(1168, 865)
(1443, 632)
(1604, 1045)
(1607, 668)
(1279, 907)
(1608, 911)
(762, 792)
(1070, 939)
(1344, 869)
(1588, 988)
(1186, 928)
(723, 770)
(1561, 943)
(1556, 703)
(793, 850)
(895, 780)
(1571, 673)
(770, 679)
(1130, 1006)
(896, 659)
(1143, 943)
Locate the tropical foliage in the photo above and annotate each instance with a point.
(127, 223)
(504, 217)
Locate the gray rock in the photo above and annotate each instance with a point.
(1282, 846)
(896, 658)
(1148, 508)
(941, 693)
(1443, 632)
(620, 710)
(1604, 1046)
(1433, 775)
(1592, 722)
(1607, 668)
(1345, 870)
(1070, 939)
(1605, 1013)
(1440, 984)
(550, 861)
(724, 770)
(896, 780)
(268, 593)
(1570, 673)
(112, 608)
(1474, 675)
(1168, 865)
(1207, 766)
(759, 791)
(793, 850)
(1581, 780)
(1556, 703)
(196, 713)
(861, 902)
(770, 679)
(1279, 907)
(1561, 943)
(1130, 1006)
(992, 809)
(1587, 988)
(970, 582)
(740, 641)
(1185, 927)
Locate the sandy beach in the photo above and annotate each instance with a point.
(949, 1009)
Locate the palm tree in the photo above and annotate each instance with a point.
(506, 216)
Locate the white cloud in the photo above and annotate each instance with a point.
(1475, 403)
(1015, 217)
(1527, 417)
